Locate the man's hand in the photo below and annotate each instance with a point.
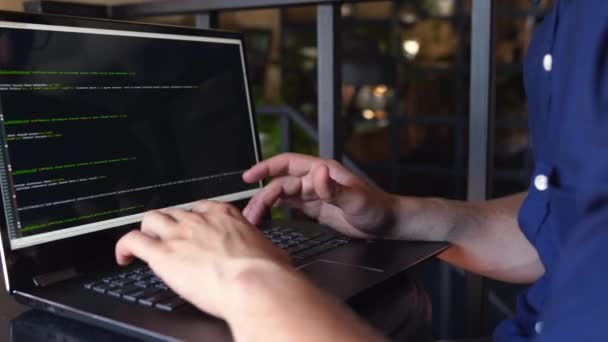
(323, 190)
(214, 258)
(202, 254)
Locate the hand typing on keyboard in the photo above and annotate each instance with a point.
(214, 258)
(199, 253)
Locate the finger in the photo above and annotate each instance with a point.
(292, 164)
(158, 224)
(136, 244)
(332, 192)
(325, 187)
(205, 206)
(265, 199)
(177, 214)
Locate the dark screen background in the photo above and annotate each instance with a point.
(167, 116)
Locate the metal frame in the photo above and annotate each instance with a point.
(168, 7)
(329, 81)
(209, 20)
(481, 149)
(73, 8)
(329, 94)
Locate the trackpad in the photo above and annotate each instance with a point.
(342, 280)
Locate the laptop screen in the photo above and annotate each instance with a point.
(99, 126)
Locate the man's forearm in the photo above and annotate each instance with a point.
(278, 304)
(486, 237)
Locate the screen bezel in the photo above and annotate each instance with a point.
(90, 251)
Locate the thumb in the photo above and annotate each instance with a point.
(347, 198)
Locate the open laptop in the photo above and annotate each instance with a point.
(102, 121)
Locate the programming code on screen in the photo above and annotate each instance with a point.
(97, 127)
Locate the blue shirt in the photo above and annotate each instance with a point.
(565, 215)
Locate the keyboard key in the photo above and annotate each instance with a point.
(137, 276)
(92, 284)
(323, 238)
(154, 280)
(119, 291)
(161, 286)
(311, 235)
(162, 296)
(289, 243)
(295, 249)
(107, 279)
(122, 281)
(142, 284)
(141, 293)
(103, 287)
(284, 238)
(171, 304)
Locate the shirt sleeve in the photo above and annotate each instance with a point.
(577, 305)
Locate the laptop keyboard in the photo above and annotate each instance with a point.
(303, 244)
(139, 285)
(142, 286)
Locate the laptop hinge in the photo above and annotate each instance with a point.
(51, 278)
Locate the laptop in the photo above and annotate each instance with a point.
(102, 121)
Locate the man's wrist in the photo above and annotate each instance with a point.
(274, 302)
(421, 219)
(250, 286)
(400, 211)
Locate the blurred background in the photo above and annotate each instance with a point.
(405, 70)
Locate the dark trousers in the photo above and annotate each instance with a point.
(400, 308)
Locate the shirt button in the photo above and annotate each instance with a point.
(548, 62)
(538, 327)
(541, 182)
